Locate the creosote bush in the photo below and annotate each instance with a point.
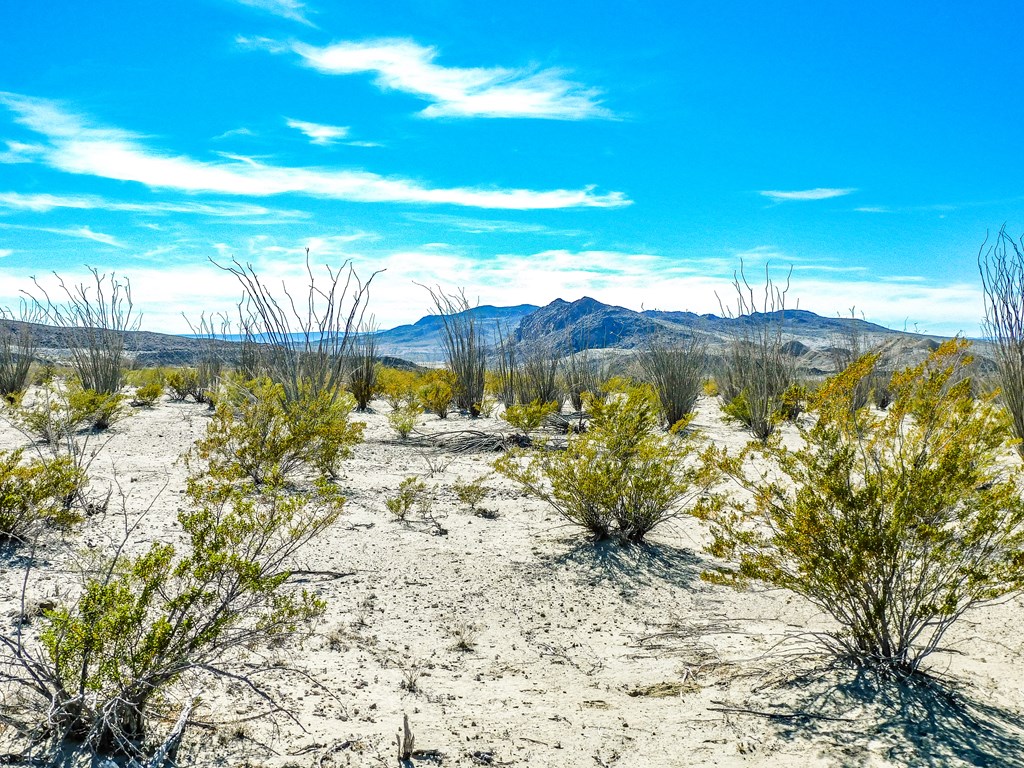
(142, 624)
(259, 434)
(622, 476)
(894, 524)
(529, 417)
(437, 392)
(403, 419)
(35, 494)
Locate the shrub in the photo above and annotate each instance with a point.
(530, 417)
(894, 524)
(622, 475)
(756, 366)
(403, 420)
(95, 410)
(464, 349)
(677, 373)
(61, 409)
(95, 320)
(147, 395)
(363, 367)
(17, 348)
(181, 382)
(470, 492)
(306, 352)
(256, 433)
(412, 493)
(437, 393)
(537, 377)
(36, 493)
(396, 386)
(1002, 278)
(144, 624)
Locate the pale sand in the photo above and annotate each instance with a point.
(566, 632)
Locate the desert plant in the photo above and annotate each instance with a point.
(622, 475)
(470, 492)
(60, 409)
(537, 379)
(204, 379)
(395, 386)
(95, 320)
(17, 349)
(676, 370)
(412, 494)
(1002, 278)
(35, 493)
(147, 395)
(529, 417)
(181, 382)
(505, 375)
(256, 432)
(363, 366)
(437, 392)
(464, 348)
(756, 366)
(304, 347)
(145, 624)
(582, 373)
(894, 524)
(403, 420)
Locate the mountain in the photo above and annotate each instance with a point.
(423, 340)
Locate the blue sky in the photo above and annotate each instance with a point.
(634, 152)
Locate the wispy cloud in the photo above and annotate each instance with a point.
(319, 133)
(404, 65)
(80, 148)
(84, 233)
(286, 9)
(819, 193)
(234, 132)
(487, 226)
(43, 203)
(5, 252)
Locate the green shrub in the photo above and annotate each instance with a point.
(403, 419)
(95, 410)
(256, 433)
(148, 394)
(895, 524)
(530, 417)
(181, 382)
(470, 492)
(412, 493)
(60, 409)
(622, 475)
(396, 386)
(36, 493)
(142, 623)
(437, 393)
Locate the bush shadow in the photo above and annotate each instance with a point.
(630, 567)
(919, 721)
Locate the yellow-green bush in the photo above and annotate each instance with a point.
(895, 524)
(622, 476)
(529, 417)
(437, 392)
(36, 493)
(396, 386)
(256, 433)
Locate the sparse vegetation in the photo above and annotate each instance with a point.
(530, 417)
(36, 493)
(17, 350)
(464, 349)
(256, 432)
(437, 392)
(622, 476)
(1002, 277)
(894, 524)
(755, 370)
(677, 372)
(403, 419)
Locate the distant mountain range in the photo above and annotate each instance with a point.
(563, 326)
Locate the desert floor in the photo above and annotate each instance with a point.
(579, 655)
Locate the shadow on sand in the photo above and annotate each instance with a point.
(629, 567)
(919, 721)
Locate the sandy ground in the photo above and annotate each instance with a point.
(573, 655)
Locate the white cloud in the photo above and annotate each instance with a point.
(5, 252)
(43, 202)
(79, 148)
(404, 65)
(820, 193)
(319, 133)
(286, 9)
